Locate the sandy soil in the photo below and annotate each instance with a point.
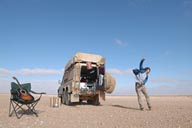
(115, 112)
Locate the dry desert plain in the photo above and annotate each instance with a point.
(115, 112)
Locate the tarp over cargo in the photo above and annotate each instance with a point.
(85, 57)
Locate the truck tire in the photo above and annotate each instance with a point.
(96, 100)
(63, 98)
(89, 101)
(68, 98)
(80, 101)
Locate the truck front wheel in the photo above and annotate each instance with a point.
(63, 97)
(68, 98)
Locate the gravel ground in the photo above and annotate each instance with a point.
(115, 112)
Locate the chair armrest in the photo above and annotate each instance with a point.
(37, 92)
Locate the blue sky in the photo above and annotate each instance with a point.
(38, 37)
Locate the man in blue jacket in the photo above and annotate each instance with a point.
(141, 77)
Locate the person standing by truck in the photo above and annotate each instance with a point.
(141, 77)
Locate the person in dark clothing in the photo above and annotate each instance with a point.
(91, 73)
(141, 77)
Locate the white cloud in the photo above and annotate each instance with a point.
(136, 3)
(163, 80)
(187, 73)
(156, 86)
(120, 43)
(48, 86)
(119, 72)
(188, 4)
(170, 90)
(174, 81)
(170, 86)
(4, 86)
(27, 71)
(168, 52)
(4, 72)
(38, 71)
(188, 7)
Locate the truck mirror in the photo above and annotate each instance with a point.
(59, 82)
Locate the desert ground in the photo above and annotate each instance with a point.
(115, 112)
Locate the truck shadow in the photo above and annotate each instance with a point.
(74, 104)
(120, 106)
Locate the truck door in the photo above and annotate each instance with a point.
(101, 76)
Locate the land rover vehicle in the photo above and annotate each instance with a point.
(79, 83)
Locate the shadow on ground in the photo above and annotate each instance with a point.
(74, 104)
(120, 106)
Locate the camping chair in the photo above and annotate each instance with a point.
(20, 106)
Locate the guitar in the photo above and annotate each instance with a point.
(23, 94)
